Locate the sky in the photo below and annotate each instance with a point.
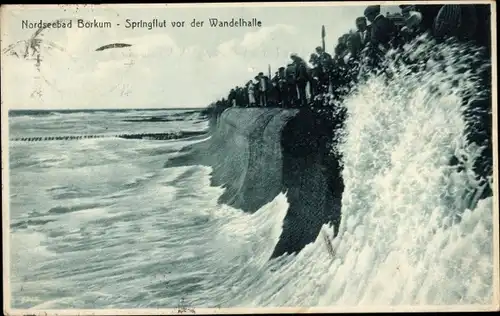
(165, 67)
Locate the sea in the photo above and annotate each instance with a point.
(100, 223)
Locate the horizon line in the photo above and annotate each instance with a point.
(104, 109)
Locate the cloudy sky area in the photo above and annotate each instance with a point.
(165, 67)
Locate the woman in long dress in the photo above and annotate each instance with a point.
(251, 93)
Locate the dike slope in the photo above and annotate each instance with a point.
(257, 153)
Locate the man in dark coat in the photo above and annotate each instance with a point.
(241, 97)
(341, 48)
(325, 66)
(257, 92)
(274, 97)
(232, 97)
(315, 74)
(301, 77)
(383, 29)
(291, 88)
(324, 59)
(354, 45)
(282, 93)
(363, 30)
(264, 87)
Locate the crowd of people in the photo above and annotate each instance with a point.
(305, 84)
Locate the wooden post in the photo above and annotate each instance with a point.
(323, 34)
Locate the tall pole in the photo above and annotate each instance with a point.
(269, 70)
(323, 34)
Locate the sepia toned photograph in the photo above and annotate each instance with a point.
(249, 158)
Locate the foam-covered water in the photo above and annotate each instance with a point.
(412, 230)
(100, 224)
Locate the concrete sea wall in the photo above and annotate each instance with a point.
(257, 153)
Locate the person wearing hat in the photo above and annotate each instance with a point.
(372, 12)
(281, 87)
(273, 99)
(232, 97)
(313, 60)
(278, 83)
(383, 29)
(301, 77)
(324, 58)
(264, 89)
(346, 66)
(325, 66)
(241, 96)
(412, 23)
(354, 46)
(363, 29)
(315, 73)
(290, 85)
(257, 91)
(343, 39)
(406, 8)
(250, 86)
(341, 48)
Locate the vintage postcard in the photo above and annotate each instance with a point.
(249, 158)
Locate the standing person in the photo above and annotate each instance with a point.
(275, 91)
(251, 93)
(341, 48)
(325, 63)
(352, 61)
(282, 95)
(383, 30)
(362, 29)
(291, 87)
(314, 60)
(268, 90)
(354, 46)
(232, 97)
(244, 96)
(257, 92)
(301, 77)
(413, 23)
(324, 58)
(263, 89)
(241, 96)
(315, 74)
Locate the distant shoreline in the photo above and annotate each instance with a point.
(102, 109)
(49, 112)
